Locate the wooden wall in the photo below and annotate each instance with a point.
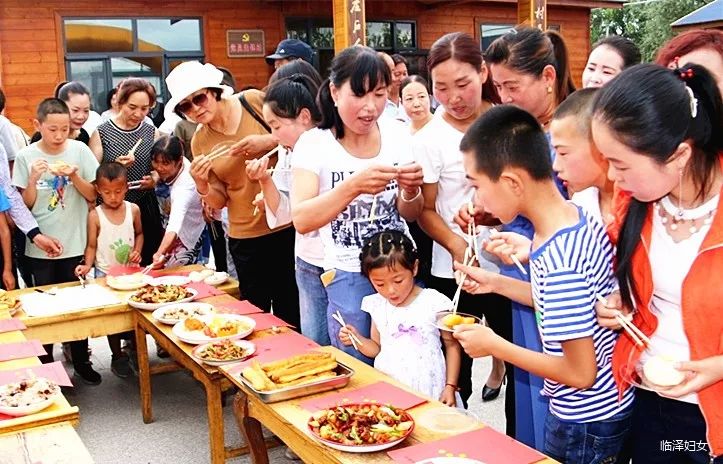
(31, 47)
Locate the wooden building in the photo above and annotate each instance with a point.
(99, 42)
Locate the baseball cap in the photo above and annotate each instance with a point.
(291, 48)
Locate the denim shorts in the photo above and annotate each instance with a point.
(587, 443)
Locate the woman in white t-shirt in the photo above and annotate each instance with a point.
(461, 83)
(352, 177)
(180, 205)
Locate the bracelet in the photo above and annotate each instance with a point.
(419, 192)
(456, 388)
(203, 195)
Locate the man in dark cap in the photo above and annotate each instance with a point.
(289, 50)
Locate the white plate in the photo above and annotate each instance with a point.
(31, 409)
(216, 279)
(154, 306)
(197, 337)
(246, 345)
(171, 280)
(443, 314)
(119, 283)
(449, 460)
(202, 308)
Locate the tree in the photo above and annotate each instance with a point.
(646, 22)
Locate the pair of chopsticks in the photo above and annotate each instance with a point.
(356, 343)
(635, 333)
(513, 256)
(217, 153)
(470, 254)
(134, 185)
(148, 268)
(82, 281)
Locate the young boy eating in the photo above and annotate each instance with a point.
(506, 157)
(115, 237)
(54, 176)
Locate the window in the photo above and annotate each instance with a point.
(100, 52)
(392, 36)
(489, 32)
(319, 34)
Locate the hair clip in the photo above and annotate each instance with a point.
(693, 102)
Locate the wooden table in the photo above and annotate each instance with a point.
(213, 381)
(288, 420)
(50, 444)
(93, 322)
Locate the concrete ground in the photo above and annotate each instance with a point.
(112, 428)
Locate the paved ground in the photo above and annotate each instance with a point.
(113, 430)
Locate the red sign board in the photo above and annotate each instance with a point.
(244, 43)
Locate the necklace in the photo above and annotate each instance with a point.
(694, 219)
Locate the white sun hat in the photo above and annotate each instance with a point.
(189, 77)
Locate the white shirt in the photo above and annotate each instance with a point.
(307, 246)
(589, 200)
(671, 262)
(186, 217)
(436, 148)
(92, 122)
(318, 151)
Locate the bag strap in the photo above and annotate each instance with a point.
(253, 112)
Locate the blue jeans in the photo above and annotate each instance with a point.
(345, 293)
(312, 302)
(587, 443)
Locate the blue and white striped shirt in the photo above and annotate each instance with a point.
(567, 272)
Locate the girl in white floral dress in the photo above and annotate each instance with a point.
(404, 340)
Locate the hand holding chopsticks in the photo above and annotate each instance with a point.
(356, 343)
(632, 330)
(508, 245)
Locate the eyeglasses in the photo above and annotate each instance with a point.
(198, 100)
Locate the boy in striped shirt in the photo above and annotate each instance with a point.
(506, 158)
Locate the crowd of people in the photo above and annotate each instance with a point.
(348, 205)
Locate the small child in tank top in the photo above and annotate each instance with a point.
(115, 237)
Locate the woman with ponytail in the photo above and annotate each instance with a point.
(352, 177)
(290, 110)
(661, 131)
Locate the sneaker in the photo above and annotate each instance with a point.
(86, 374)
(133, 361)
(120, 366)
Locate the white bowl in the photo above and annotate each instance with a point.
(246, 345)
(216, 279)
(128, 282)
(171, 280)
(197, 337)
(154, 306)
(32, 408)
(201, 309)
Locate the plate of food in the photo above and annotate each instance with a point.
(655, 372)
(224, 352)
(199, 276)
(128, 281)
(27, 396)
(171, 280)
(216, 279)
(57, 167)
(153, 297)
(448, 320)
(361, 427)
(172, 313)
(8, 302)
(213, 328)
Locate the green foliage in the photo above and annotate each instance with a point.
(646, 23)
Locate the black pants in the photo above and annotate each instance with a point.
(218, 245)
(265, 267)
(152, 227)
(667, 431)
(57, 271)
(497, 311)
(424, 253)
(20, 266)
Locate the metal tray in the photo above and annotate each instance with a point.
(344, 373)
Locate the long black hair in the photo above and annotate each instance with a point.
(169, 148)
(387, 249)
(364, 70)
(650, 109)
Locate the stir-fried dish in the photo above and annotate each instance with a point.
(161, 294)
(361, 424)
(224, 350)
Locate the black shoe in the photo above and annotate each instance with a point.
(161, 353)
(489, 393)
(86, 374)
(120, 366)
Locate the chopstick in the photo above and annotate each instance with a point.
(218, 153)
(271, 152)
(458, 292)
(372, 215)
(132, 151)
(82, 281)
(635, 333)
(513, 256)
(356, 343)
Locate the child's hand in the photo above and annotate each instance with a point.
(256, 169)
(9, 280)
(82, 270)
(37, 169)
(505, 244)
(477, 280)
(134, 257)
(344, 334)
(477, 340)
(68, 170)
(449, 396)
(606, 313)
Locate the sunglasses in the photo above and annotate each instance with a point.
(198, 100)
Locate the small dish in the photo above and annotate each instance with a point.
(27, 396)
(170, 314)
(444, 320)
(449, 420)
(128, 281)
(216, 279)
